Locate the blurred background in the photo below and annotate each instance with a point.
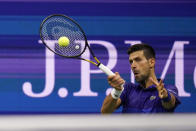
(35, 81)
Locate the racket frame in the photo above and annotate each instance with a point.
(98, 64)
(85, 39)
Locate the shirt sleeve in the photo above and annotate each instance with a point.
(125, 92)
(123, 96)
(173, 90)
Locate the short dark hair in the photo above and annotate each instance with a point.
(148, 50)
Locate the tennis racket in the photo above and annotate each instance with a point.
(57, 26)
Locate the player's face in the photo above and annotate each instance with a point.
(140, 66)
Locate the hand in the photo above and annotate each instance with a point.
(160, 87)
(116, 81)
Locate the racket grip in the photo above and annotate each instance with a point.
(106, 70)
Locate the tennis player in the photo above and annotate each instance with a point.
(149, 94)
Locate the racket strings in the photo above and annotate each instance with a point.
(57, 26)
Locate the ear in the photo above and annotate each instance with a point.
(152, 62)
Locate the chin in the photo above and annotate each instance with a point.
(139, 79)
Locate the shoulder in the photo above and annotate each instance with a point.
(172, 89)
(130, 86)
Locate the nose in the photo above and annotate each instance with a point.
(133, 65)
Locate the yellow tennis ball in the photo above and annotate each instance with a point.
(63, 41)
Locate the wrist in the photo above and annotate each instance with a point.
(116, 93)
(168, 98)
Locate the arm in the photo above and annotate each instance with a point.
(110, 102)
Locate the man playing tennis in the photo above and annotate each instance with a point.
(149, 95)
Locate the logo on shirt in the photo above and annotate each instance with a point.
(152, 98)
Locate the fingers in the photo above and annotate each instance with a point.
(154, 82)
(116, 81)
(163, 93)
(114, 77)
(159, 85)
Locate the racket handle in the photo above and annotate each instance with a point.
(109, 73)
(106, 70)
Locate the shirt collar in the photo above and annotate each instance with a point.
(152, 87)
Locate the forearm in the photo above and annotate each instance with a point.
(169, 104)
(109, 104)
(113, 101)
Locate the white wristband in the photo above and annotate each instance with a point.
(116, 93)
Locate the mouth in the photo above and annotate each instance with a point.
(135, 73)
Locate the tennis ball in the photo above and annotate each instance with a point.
(63, 41)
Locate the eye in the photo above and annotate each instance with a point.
(138, 59)
(130, 61)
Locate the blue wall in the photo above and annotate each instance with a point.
(167, 26)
